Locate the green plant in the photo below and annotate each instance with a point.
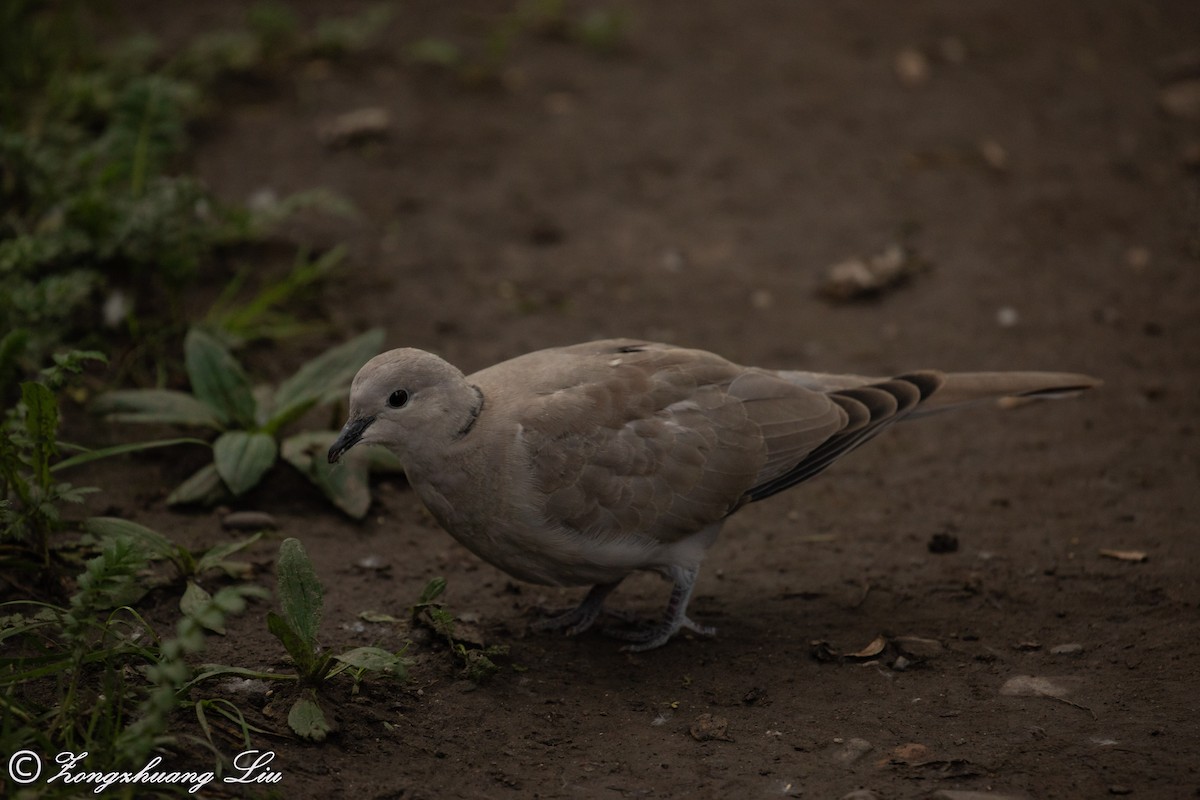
(477, 659)
(112, 684)
(31, 493)
(297, 626)
(249, 421)
(262, 317)
(189, 565)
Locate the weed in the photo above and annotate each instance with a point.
(249, 421)
(114, 684)
(296, 626)
(31, 494)
(476, 657)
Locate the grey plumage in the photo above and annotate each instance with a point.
(580, 465)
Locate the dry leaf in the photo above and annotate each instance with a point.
(1136, 556)
(872, 650)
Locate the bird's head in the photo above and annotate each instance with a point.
(407, 400)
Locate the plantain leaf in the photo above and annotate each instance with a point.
(321, 379)
(165, 406)
(216, 556)
(197, 604)
(346, 484)
(302, 655)
(151, 543)
(375, 659)
(300, 593)
(218, 379)
(242, 458)
(119, 449)
(308, 720)
(204, 488)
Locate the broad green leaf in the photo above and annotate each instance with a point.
(119, 449)
(204, 488)
(375, 659)
(165, 406)
(308, 720)
(218, 380)
(151, 543)
(346, 484)
(242, 459)
(323, 378)
(300, 651)
(300, 593)
(215, 556)
(197, 604)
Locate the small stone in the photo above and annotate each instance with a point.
(958, 794)
(1007, 317)
(911, 67)
(993, 154)
(1035, 686)
(851, 750)
(911, 753)
(860, 794)
(918, 647)
(249, 521)
(708, 728)
(355, 126)
(1071, 649)
(1181, 99)
(761, 299)
(1138, 259)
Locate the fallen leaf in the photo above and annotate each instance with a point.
(877, 646)
(1136, 556)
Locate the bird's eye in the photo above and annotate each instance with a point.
(398, 399)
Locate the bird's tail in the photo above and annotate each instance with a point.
(947, 390)
(1009, 388)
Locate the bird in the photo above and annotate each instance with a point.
(583, 464)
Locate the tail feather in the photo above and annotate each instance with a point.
(965, 388)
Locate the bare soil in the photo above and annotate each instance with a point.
(694, 187)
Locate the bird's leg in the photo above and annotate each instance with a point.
(580, 618)
(656, 634)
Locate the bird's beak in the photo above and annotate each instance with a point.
(351, 435)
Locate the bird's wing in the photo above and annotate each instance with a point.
(624, 438)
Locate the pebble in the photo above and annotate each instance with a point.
(355, 126)
(1035, 686)
(860, 794)
(1073, 648)
(912, 67)
(851, 750)
(707, 728)
(957, 794)
(248, 521)
(1181, 99)
(1007, 317)
(918, 647)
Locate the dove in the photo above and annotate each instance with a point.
(580, 465)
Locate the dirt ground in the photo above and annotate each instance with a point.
(694, 187)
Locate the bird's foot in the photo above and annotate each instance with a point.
(583, 616)
(650, 635)
(571, 622)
